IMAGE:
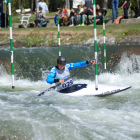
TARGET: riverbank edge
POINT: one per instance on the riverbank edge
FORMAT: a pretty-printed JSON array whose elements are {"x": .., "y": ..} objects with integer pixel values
[{"x": 68, "y": 42}]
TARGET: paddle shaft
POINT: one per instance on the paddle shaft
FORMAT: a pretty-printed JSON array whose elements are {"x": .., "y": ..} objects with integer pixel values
[{"x": 64, "y": 80}]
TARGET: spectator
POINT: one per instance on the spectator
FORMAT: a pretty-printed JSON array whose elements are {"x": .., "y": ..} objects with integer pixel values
[
  {"x": 79, "y": 11},
  {"x": 40, "y": 21},
  {"x": 73, "y": 19},
  {"x": 134, "y": 7},
  {"x": 125, "y": 7},
  {"x": 99, "y": 18},
  {"x": 44, "y": 7},
  {"x": 65, "y": 17},
  {"x": 115, "y": 4},
  {"x": 101, "y": 9},
  {"x": 58, "y": 15},
  {"x": 88, "y": 19},
  {"x": 85, "y": 13}
]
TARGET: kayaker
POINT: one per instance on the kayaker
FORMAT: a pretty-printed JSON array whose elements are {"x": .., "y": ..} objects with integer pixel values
[{"x": 62, "y": 71}]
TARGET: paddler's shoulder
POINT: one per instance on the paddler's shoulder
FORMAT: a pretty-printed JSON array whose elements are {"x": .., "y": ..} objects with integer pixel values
[{"x": 53, "y": 70}]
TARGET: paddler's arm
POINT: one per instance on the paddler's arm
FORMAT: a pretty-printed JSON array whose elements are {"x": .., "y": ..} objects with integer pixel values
[
  {"x": 79, "y": 64},
  {"x": 50, "y": 78}
]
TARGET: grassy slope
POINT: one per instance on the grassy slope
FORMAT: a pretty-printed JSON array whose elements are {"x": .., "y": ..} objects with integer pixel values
[
  {"x": 75, "y": 34},
  {"x": 16, "y": 19}
]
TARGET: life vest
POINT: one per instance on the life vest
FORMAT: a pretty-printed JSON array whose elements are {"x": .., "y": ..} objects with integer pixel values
[{"x": 63, "y": 75}]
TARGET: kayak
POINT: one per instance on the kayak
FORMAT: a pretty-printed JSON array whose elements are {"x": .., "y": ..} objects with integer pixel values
[{"x": 89, "y": 89}]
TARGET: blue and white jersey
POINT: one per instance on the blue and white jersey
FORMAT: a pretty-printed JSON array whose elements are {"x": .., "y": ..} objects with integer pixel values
[{"x": 55, "y": 73}]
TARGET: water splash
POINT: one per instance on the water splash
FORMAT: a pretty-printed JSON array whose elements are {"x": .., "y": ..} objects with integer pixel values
[{"x": 129, "y": 65}]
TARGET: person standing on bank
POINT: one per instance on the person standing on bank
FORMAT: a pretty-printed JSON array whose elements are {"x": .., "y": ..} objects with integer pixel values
[
  {"x": 125, "y": 7},
  {"x": 134, "y": 7},
  {"x": 61, "y": 72},
  {"x": 115, "y": 4},
  {"x": 44, "y": 7}
]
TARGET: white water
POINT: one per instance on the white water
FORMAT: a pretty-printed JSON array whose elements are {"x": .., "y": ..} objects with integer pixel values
[{"x": 53, "y": 116}]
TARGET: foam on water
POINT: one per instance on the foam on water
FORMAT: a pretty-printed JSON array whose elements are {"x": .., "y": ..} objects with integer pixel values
[{"x": 26, "y": 116}]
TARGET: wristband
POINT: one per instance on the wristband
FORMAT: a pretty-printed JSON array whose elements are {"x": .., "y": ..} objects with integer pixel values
[{"x": 56, "y": 80}]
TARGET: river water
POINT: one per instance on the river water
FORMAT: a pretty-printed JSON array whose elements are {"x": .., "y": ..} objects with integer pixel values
[{"x": 54, "y": 116}]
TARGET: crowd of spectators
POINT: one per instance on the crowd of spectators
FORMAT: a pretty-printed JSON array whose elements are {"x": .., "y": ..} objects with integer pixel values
[
  {"x": 81, "y": 12},
  {"x": 79, "y": 16}
]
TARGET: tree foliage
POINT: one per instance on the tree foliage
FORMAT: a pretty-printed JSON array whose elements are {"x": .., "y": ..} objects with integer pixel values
[{"x": 53, "y": 4}]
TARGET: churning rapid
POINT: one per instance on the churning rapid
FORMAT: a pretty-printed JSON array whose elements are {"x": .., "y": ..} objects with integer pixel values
[{"x": 54, "y": 116}]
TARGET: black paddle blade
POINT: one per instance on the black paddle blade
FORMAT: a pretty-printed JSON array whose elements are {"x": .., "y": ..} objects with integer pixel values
[
  {"x": 46, "y": 90},
  {"x": 41, "y": 93}
]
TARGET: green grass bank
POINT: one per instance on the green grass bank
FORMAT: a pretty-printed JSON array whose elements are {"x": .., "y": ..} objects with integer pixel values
[{"x": 37, "y": 36}]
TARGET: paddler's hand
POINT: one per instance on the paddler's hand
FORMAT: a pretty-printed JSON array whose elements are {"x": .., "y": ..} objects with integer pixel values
[
  {"x": 92, "y": 62},
  {"x": 61, "y": 82}
]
